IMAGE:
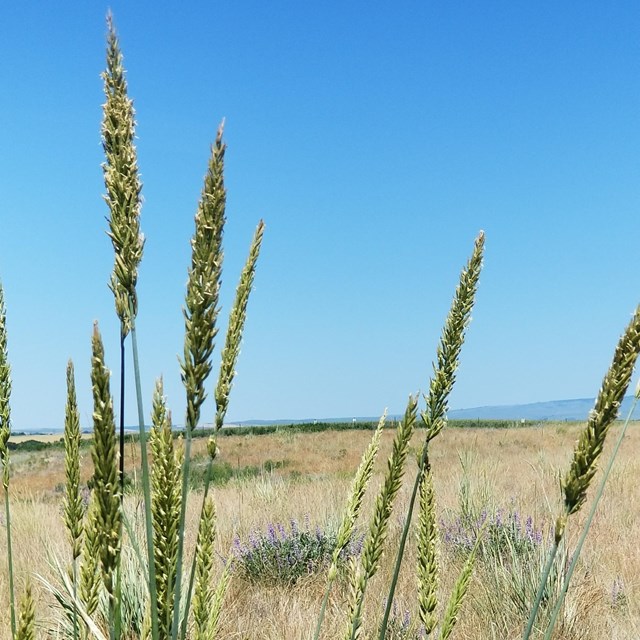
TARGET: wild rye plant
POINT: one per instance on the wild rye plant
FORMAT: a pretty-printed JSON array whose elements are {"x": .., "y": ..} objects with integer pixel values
[
  {"x": 165, "y": 489},
  {"x": 433, "y": 419}
]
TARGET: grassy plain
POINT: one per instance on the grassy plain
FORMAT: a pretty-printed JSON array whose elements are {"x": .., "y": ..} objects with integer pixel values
[{"x": 306, "y": 476}]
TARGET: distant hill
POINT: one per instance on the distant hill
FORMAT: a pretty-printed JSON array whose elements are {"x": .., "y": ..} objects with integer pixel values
[
  {"x": 554, "y": 410},
  {"x": 544, "y": 411}
]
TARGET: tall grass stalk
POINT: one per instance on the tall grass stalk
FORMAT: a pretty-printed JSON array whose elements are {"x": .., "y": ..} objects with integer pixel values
[
  {"x": 229, "y": 358},
  {"x": 89, "y": 567},
  {"x": 587, "y": 525},
  {"x": 122, "y": 181},
  {"x": 450, "y": 616},
  {"x": 440, "y": 386},
  {"x": 106, "y": 486},
  {"x": 73, "y": 505},
  {"x": 351, "y": 514},
  {"x": 590, "y": 444},
  {"x": 146, "y": 488},
  {"x": 427, "y": 559},
  {"x": 5, "y": 433},
  {"x": 200, "y": 315},
  {"x": 376, "y": 537},
  {"x": 165, "y": 480},
  {"x": 203, "y": 599}
]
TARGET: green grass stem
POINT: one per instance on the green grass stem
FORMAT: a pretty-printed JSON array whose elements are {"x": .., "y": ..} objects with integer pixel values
[
  {"x": 146, "y": 488},
  {"x": 175, "y": 627}
]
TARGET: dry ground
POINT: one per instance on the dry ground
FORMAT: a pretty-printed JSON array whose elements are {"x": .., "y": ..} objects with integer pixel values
[{"x": 510, "y": 469}]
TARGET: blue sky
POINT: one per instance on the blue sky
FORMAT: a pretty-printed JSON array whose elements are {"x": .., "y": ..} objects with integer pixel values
[{"x": 376, "y": 140}]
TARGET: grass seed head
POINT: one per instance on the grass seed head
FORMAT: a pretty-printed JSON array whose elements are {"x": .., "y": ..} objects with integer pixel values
[
  {"x": 203, "y": 594},
  {"x": 5, "y": 394},
  {"x": 27, "y": 619},
  {"x": 203, "y": 286},
  {"x": 165, "y": 510},
  {"x": 451, "y": 341},
  {"x": 89, "y": 567},
  {"x": 235, "y": 328},
  {"x": 591, "y": 441},
  {"x": 122, "y": 181},
  {"x": 105, "y": 462},
  {"x": 450, "y": 617},
  {"x": 73, "y": 504},
  {"x": 356, "y": 495},
  {"x": 379, "y": 525},
  {"x": 427, "y": 557}
]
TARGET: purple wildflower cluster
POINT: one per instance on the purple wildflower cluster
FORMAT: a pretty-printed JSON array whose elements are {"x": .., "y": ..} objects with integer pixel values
[
  {"x": 285, "y": 554},
  {"x": 501, "y": 530}
]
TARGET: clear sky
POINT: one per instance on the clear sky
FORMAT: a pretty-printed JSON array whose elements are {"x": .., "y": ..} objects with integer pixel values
[{"x": 376, "y": 140}]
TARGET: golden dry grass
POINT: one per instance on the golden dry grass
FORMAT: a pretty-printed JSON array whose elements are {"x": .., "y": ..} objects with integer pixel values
[{"x": 509, "y": 468}]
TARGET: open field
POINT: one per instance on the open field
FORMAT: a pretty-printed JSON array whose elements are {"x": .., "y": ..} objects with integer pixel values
[
  {"x": 306, "y": 476},
  {"x": 41, "y": 437}
]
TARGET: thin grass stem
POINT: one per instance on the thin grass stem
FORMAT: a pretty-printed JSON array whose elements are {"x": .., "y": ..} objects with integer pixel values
[
  {"x": 145, "y": 481},
  {"x": 396, "y": 573},
  {"x": 553, "y": 552},
  {"x": 122, "y": 380}
]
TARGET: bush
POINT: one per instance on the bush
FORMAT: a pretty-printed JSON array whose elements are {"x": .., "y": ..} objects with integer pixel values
[
  {"x": 503, "y": 533},
  {"x": 283, "y": 556}
]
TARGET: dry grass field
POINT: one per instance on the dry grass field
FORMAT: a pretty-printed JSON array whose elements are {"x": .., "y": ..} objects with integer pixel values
[{"x": 308, "y": 480}]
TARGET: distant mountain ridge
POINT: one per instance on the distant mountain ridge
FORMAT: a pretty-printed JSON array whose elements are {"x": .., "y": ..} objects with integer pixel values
[
  {"x": 553, "y": 410},
  {"x": 577, "y": 409}
]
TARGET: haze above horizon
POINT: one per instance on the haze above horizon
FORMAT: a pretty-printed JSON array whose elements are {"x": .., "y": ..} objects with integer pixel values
[{"x": 375, "y": 143}]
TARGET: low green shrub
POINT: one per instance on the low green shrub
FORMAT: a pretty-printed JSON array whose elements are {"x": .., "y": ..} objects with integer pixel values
[{"x": 283, "y": 555}]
